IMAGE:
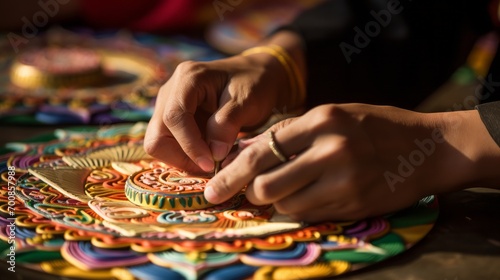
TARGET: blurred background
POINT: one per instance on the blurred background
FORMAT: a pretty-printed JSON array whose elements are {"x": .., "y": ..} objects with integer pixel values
[
  {"x": 102, "y": 62},
  {"x": 75, "y": 62}
]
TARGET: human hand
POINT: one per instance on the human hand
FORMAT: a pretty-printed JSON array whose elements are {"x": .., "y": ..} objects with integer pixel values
[
  {"x": 353, "y": 161},
  {"x": 204, "y": 105}
]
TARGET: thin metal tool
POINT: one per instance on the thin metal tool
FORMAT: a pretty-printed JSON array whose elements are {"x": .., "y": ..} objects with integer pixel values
[
  {"x": 217, "y": 167},
  {"x": 218, "y": 163}
]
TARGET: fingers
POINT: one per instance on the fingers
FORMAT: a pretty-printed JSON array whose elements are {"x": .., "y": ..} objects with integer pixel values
[
  {"x": 312, "y": 179},
  {"x": 223, "y": 128},
  {"x": 223, "y": 94},
  {"x": 319, "y": 193},
  {"x": 283, "y": 180},
  {"x": 252, "y": 161},
  {"x": 244, "y": 143},
  {"x": 336, "y": 184},
  {"x": 237, "y": 109},
  {"x": 231, "y": 93},
  {"x": 180, "y": 121},
  {"x": 192, "y": 90},
  {"x": 173, "y": 134},
  {"x": 159, "y": 143}
]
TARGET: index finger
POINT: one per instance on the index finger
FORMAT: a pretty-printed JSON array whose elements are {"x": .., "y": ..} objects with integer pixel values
[
  {"x": 252, "y": 161},
  {"x": 159, "y": 143},
  {"x": 180, "y": 121}
]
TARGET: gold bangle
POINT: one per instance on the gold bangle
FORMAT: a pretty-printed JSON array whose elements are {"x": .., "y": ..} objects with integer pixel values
[
  {"x": 282, "y": 59},
  {"x": 297, "y": 85},
  {"x": 295, "y": 68}
]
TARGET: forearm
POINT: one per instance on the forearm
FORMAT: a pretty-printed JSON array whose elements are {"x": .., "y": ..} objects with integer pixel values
[{"x": 469, "y": 157}]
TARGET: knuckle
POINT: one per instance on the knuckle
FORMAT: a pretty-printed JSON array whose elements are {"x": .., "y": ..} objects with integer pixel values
[
  {"x": 191, "y": 71},
  {"x": 263, "y": 189},
  {"x": 228, "y": 121},
  {"x": 250, "y": 195},
  {"x": 188, "y": 66},
  {"x": 152, "y": 146},
  {"x": 223, "y": 186},
  {"x": 238, "y": 89},
  {"x": 171, "y": 118},
  {"x": 324, "y": 117},
  {"x": 251, "y": 158},
  {"x": 331, "y": 110},
  {"x": 188, "y": 74}
]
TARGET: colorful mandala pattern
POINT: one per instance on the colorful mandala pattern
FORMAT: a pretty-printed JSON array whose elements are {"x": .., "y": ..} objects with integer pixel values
[{"x": 92, "y": 204}]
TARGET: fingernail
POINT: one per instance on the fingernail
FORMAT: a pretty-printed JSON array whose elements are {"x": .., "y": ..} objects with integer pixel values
[
  {"x": 210, "y": 194},
  {"x": 205, "y": 163},
  {"x": 219, "y": 149}
]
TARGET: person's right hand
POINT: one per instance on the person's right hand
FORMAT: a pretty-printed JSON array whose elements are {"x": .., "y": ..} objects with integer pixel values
[{"x": 204, "y": 105}]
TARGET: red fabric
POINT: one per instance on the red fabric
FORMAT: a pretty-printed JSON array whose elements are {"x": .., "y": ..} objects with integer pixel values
[{"x": 143, "y": 15}]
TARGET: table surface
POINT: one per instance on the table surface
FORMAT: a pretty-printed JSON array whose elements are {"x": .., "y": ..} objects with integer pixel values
[{"x": 464, "y": 244}]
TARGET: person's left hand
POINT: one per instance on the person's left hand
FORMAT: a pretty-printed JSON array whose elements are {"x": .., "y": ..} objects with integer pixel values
[{"x": 346, "y": 162}]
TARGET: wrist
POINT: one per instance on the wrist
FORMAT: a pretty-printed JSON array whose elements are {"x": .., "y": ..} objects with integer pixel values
[
  {"x": 285, "y": 49},
  {"x": 272, "y": 71},
  {"x": 470, "y": 157},
  {"x": 294, "y": 46}
]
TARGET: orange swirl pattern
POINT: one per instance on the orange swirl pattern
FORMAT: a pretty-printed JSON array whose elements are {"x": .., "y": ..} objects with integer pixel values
[
  {"x": 169, "y": 181},
  {"x": 166, "y": 188}
]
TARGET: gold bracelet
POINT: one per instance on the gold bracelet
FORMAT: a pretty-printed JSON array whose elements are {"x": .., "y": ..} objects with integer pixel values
[
  {"x": 297, "y": 85},
  {"x": 295, "y": 68}
]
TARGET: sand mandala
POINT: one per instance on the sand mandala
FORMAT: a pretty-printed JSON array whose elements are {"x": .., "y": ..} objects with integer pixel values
[{"x": 93, "y": 204}]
